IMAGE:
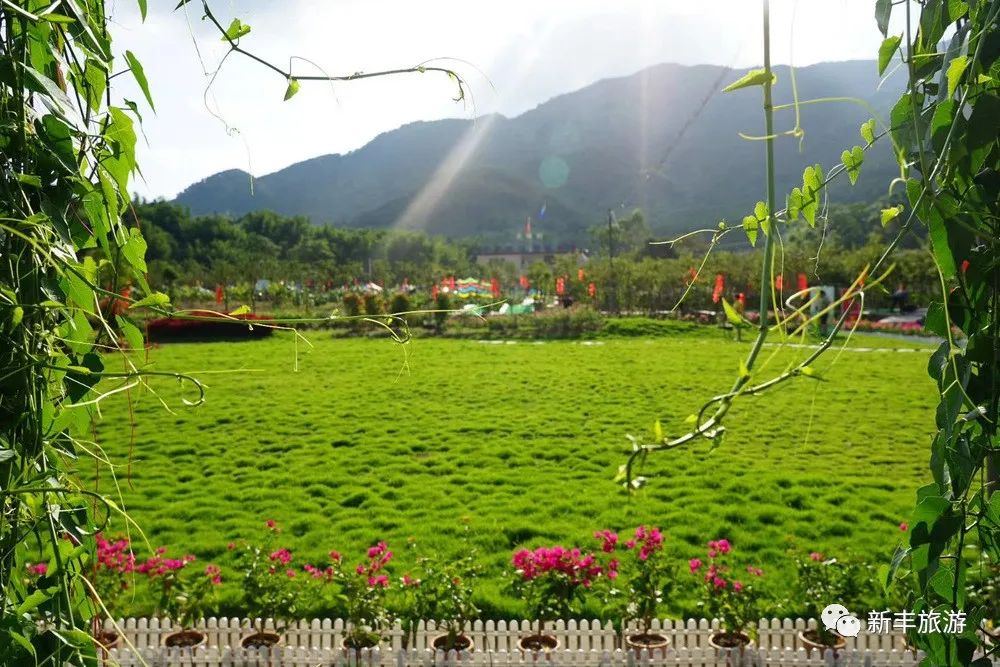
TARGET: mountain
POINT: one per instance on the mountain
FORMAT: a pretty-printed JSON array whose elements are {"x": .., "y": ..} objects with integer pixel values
[{"x": 664, "y": 139}]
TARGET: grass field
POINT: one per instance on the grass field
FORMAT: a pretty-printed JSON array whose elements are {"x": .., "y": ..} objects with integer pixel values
[{"x": 522, "y": 440}]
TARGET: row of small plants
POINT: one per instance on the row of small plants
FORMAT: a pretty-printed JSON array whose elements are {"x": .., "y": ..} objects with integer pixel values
[{"x": 632, "y": 577}]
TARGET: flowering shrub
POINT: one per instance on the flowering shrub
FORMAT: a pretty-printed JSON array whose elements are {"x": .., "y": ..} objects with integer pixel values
[
  {"x": 732, "y": 600},
  {"x": 363, "y": 589},
  {"x": 552, "y": 580},
  {"x": 442, "y": 592},
  {"x": 210, "y": 326},
  {"x": 185, "y": 595},
  {"x": 271, "y": 585},
  {"x": 640, "y": 578},
  {"x": 113, "y": 572},
  {"x": 822, "y": 581}
]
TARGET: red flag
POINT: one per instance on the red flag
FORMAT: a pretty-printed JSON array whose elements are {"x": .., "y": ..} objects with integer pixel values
[
  {"x": 560, "y": 286},
  {"x": 579, "y": 275},
  {"x": 592, "y": 290},
  {"x": 218, "y": 294},
  {"x": 524, "y": 282},
  {"x": 720, "y": 285},
  {"x": 451, "y": 283},
  {"x": 434, "y": 292},
  {"x": 803, "y": 283},
  {"x": 779, "y": 282},
  {"x": 494, "y": 287}
]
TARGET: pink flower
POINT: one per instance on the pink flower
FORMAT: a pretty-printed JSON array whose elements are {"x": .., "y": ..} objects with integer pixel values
[
  {"x": 271, "y": 523},
  {"x": 904, "y": 526},
  {"x": 360, "y": 569},
  {"x": 284, "y": 556},
  {"x": 410, "y": 581},
  {"x": 723, "y": 546},
  {"x": 290, "y": 573},
  {"x": 608, "y": 540},
  {"x": 719, "y": 582},
  {"x": 694, "y": 564},
  {"x": 231, "y": 546},
  {"x": 816, "y": 556},
  {"x": 737, "y": 586},
  {"x": 214, "y": 572},
  {"x": 161, "y": 551},
  {"x": 335, "y": 555},
  {"x": 38, "y": 568},
  {"x": 630, "y": 544},
  {"x": 380, "y": 580}
]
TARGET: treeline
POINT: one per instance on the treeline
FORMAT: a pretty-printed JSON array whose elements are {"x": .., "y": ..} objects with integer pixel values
[
  {"x": 627, "y": 271},
  {"x": 217, "y": 250}
]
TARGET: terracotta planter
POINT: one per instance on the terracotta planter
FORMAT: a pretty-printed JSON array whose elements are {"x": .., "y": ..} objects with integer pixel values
[
  {"x": 440, "y": 643},
  {"x": 810, "y": 640},
  {"x": 262, "y": 639},
  {"x": 649, "y": 641},
  {"x": 185, "y": 639},
  {"x": 538, "y": 643},
  {"x": 725, "y": 641}
]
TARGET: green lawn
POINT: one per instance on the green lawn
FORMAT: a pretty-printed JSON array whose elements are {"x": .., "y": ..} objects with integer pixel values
[{"x": 523, "y": 441}]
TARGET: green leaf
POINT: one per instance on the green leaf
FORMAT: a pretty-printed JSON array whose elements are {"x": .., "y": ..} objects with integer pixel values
[
  {"x": 658, "y": 431},
  {"x": 30, "y": 179},
  {"x": 16, "y": 315},
  {"x": 793, "y": 205},
  {"x": 744, "y": 371},
  {"x": 868, "y": 131},
  {"x": 755, "y": 77},
  {"x": 750, "y": 227},
  {"x": 812, "y": 183},
  {"x": 731, "y": 314},
  {"x": 140, "y": 76},
  {"x": 293, "y": 87},
  {"x": 890, "y": 214},
  {"x": 52, "y": 17},
  {"x": 956, "y": 68},
  {"x": 134, "y": 250},
  {"x": 34, "y": 599},
  {"x": 6, "y": 455},
  {"x": 242, "y": 310},
  {"x": 887, "y": 51},
  {"x": 142, "y": 10},
  {"x": 763, "y": 217},
  {"x": 235, "y": 30},
  {"x": 131, "y": 333},
  {"x": 883, "y": 8},
  {"x": 23, "y": 642},
  {"x": 154, "y": 299},
  {"x": 853, "y": 159},
  {"x": 811, "y": 372}
]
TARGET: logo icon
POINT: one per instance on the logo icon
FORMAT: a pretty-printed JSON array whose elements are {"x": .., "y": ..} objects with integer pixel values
[{"x": 837, "y": 619}]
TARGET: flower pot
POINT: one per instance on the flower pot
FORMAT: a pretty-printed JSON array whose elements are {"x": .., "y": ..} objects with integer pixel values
[
  {"x": 262, "y": 639},
  {"x": 810, "y": 639},
  {"x": 348, "y": 646},
  {"x": 729, "y": 640},
  {"x": 538, "y": 643},
  {"x": 649, "y": 641},
  {"x": 185, "y": 639},
  {"x": 462, "y": 643}
]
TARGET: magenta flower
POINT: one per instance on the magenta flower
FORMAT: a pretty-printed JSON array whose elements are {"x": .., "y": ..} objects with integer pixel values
[
  {"x": 271, "y": 523},
  {"x": 39, "y": 568},
  {"x": 694, "y": 564},
  {"x": 335, "y": 555},
  {"x": 816, "y": 556},
  {"x": 290, "y": 573},
  {"x": 737, "y": 586},
  {"x": 284, "y": 556},
  {"x": 904, "y": 526}
]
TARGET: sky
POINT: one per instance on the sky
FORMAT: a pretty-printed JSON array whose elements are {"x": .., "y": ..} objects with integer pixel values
[{"x": 514, "y": 54}]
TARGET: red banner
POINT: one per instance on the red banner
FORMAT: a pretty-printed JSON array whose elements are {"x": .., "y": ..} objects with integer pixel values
[
  {"x": 720, "y": 286},
  {"x": 592, "y": 290},
  {"x": 434, "y": 292},
  {"x": 803, "y": 283},
  {"x": 524, "y": 282},
  {"x": 218, "y": 294},
  {"x": 494, "y": 287},
  {"x": 779, "y": 282}
]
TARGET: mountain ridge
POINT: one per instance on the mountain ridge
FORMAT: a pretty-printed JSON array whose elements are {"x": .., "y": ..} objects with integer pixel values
[{"x": 663, "y": 139}]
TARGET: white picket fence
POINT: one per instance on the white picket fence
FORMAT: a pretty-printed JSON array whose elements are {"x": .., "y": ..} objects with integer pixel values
[{"x": 582, "y": 644}]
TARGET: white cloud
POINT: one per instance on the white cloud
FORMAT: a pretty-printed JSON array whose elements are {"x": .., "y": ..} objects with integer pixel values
[{"x": 531, "y": 50}]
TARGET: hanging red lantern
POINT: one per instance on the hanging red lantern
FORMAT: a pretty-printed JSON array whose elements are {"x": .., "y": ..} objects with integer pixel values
[
  {"x": 579, "y": 275},
  {"x": 779, "y": 282},
  {"x": 803, "y": 283},
  {"x": 560, "y": 285},
  {"x": 219, "y": 294},
  {"x": 592, "y": 290},
  {"x": 524, "y": 282}
]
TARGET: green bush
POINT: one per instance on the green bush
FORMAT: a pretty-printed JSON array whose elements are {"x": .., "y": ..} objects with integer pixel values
[{"x": 643, "y": 326}]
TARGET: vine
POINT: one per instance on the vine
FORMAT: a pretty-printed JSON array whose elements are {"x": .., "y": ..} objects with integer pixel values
[
  {"x": 70, "y": 256},
  {"x": 944, "y": 129}
]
